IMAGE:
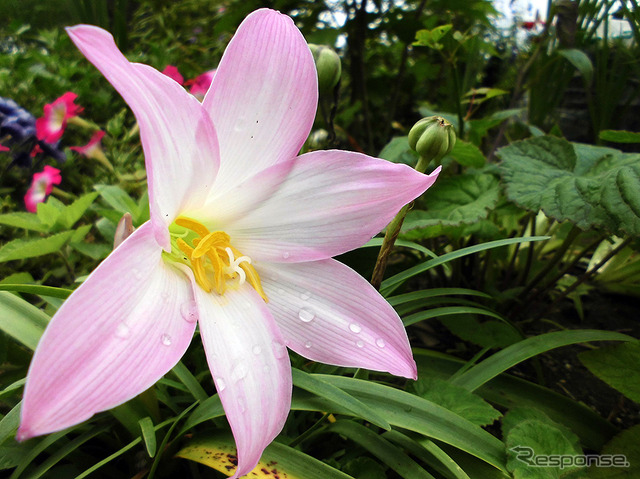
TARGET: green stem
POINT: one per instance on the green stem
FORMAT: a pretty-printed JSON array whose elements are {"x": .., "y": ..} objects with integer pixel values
[{"x": 392, "y": 233}]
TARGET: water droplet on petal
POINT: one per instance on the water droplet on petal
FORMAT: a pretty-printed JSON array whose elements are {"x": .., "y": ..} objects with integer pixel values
[
  {"x": 137, "y": 274},
  {"x": 273, "y": 276},
  {"x": 305, "y": 296},
  {"x": 239, "y": 372},
  {"x": 242, "y": 404},
  {"x": 122, "y": 331},
  {"x": 220, "y": 385},
  {"x": 360, "y": 344},
  {"x": 285, "y": 255},
  {"x": 380, "y": 342},
  {"x": 306, "y": 315},
  {"x": 256, "y": 350},
  {"x": 166, "y": 339},
  {"x": 280, "y": 291},
  {"x": 279, "y": 350},
  {"x": 266, "y": 369},
  {"x": 189, "y": 311},
  {"x": 355, "y": 328},
  {"x": 307, "y": 344}
]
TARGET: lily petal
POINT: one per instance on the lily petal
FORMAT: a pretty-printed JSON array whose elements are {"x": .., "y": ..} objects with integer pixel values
[
  {"x": 250, "y": 367},
  {"x": 328, "y": 313},
  {"x": 115, "y": 336},
  {"x": 331, "y": 202},
  {"x": 263, "y": 97},
  {"x": 179, "y": 141}
]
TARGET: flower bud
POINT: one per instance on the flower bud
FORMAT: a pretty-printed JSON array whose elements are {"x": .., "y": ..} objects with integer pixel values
[
  {"x": 432, "y": 137},
  {"x": 328, "y": 66}
]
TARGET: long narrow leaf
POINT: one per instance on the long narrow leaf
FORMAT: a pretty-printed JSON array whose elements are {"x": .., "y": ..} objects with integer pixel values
[
  {"x": 527, "y": 348},
  {"x": 189, "y": 380},
  {"x": 391, "y": 284},
  {"x": 380, "y": 448},
  {"x": 21, "y": 320},
  {"x": 432, "y": 293},
  {"x": 38, "y": 289},
  {"x": 448, "y": 310},
  {"x": 311, "y": 383}
]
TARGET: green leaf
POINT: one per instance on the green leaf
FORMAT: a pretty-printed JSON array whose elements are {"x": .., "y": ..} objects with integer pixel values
[
  {"x": 433, "y": 293},
  {"x": 593, "y": 187},
  {"x": 624, "y": 444},
  {"x": 581, "y": 61},
  {"x": 79, "y": 234},
  {"x": 398, "y": 151},
  {"x": 541, "y": 439},
  {"x": 28, "y": 221},
  {"x": 119, "y": 200},
  {"x": 148, "y": 435},
  {"x": 391, "y": 284},
  {"x": 468, "y": 154},
  {"x": 38, "y": 289},
  {"x": 518, "y": 415},
  {"x": 75, "y": 210},
  {"x": 311, "y": 383},
  {"x": 190, "y": 381},
  {"x": 614, "y": 136},
  {"x": 419, "y": 415},
  {"x": 30, "y": 248},
  {"x": 430, "y": 38},
  {"x": 399, "y": 408},
  {"x": 9, "y": 423},
  {"x": 488, "y": 334},
  {"x": 617, "y": 365},
  {"x": 218, "y": 451},
  {"x": 380, "y": 448},
  {"x": 509, "y": 392},
  {"x": 456, "y": 399},
  {"x": 49, "y": 212},
  {"x": 527, "y": 348},
  {"x": 21, "y": 320},
  {"x": 457, "y": 200},
  {"x": 365, "y": 468}
]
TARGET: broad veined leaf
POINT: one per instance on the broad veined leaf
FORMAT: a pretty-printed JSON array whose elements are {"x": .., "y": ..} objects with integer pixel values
[
  {"x": 457, "y": 200},
  {"x": 457, "y": 399},
  {"x": 618, "y": 366},
  {"x": 468, "y": 154},
  {"x": 218, "y": 451},
  {"x": 624, "y": 449},
  {"x": 532, "y": 441},
  {"x": 75, "y": 210},
  {"x": 593, "y": 187}
]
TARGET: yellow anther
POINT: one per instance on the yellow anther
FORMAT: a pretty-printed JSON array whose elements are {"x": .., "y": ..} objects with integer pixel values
[
  {"x": 192, "y": 225},
  {"x": 214, "y": 261},
  {"x": 211, "y": 240}
]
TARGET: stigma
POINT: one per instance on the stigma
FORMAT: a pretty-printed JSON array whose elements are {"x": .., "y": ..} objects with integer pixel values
[{"x": 215, "y": 263}]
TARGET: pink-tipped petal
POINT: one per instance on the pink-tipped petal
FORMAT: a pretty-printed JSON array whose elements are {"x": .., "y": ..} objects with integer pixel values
[
  {"x": 331, "y": 202},
  {"x": 115, "y": 336},
  {"x": 250, "y": 367},
  {"x": 327, "y": 312},
  {"x": 178, "y": 138},
  {"x": 263, "y": 97}
]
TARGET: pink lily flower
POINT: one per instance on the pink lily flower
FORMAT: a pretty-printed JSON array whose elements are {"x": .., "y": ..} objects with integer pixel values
[
  {"x": 41, "y": 187},
  {"x": 173, "y": 73},
  {"x": 240, "y": 241},
  {"x": 200, "y": 84},
  {"x": 51, "y": 126},
  {"x": 91, "y": 149}
]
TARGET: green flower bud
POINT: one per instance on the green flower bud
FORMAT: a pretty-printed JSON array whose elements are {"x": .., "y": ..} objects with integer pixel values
[
  {"x": 433, "y": 138},
  {"x": 328, "y": 66}
]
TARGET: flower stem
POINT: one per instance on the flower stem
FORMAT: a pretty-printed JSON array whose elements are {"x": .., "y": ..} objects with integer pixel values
[{"x": 392, "y": 233}]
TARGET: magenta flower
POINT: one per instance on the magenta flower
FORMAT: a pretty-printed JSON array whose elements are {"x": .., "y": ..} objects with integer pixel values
[
  {"x": 200, "y": 84},
  {"x": 91, "y": 149},
  {"x": 240, "y": 242},
  {"x": 41, "y": 187},
  {"x": 4, "y": 148},
  {"x": 173, "y": 73},
  {"x": 51, "y": 126}
]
